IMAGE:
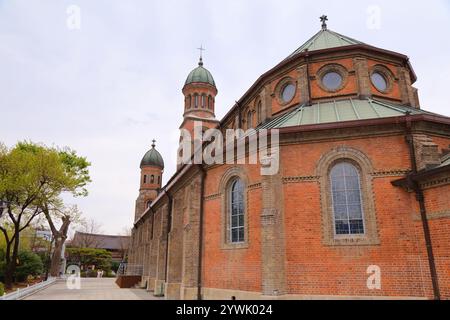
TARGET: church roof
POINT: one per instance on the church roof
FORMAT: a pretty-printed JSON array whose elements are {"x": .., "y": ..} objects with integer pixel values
[
  {"x": 325, "y": 39},
  {"x": 152, "y": 158},
  {"x": 339, "y": 111},
  {"x": 200, "y": 74}
]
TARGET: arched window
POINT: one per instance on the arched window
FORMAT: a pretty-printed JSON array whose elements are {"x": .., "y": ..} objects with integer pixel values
[
  {"x": 149, "y": 203},
  {"x": 236, "y": 211},
  {"x": 152, "y": 179},
  {"x": 196, "y": 100},
  {"x": 203, "y": 101},
  {"x": 145, "y": 178},
  {"x": 259, "y": 110},
  {"x": 249, "y": 119},
  {"x": 159, "y": 179},
  {"x": 346, "y": 199}
]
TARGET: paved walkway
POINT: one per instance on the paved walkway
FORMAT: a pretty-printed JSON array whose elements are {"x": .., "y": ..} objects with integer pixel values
[{"x": 91, "y": 289}]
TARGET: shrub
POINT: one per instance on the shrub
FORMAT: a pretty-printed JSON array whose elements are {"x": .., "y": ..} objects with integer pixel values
[
  {"x": 115, "y": 266},
  {"x": 29, "y": 265},
  {"x": 2, "y": 289},
  {"x": 87, "y": 257},
  {"x": 92, "y": 273}
]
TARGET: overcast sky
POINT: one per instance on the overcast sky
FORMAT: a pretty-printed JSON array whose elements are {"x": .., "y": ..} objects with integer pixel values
[{"x": 108, "y": 88}]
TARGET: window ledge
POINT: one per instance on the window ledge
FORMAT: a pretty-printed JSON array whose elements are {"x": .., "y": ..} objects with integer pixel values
[{"x": 235, "y": 246}]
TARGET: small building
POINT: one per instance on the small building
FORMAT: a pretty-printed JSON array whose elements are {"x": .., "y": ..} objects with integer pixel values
[{"x": 117, "y": 245}]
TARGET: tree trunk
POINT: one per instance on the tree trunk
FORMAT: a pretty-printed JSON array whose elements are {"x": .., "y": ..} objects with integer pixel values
[
  {"x": 8, "y": 276},
  {"x": 11, "y": 260},
  {"x": 8, "y": 273},
  {"x": 60, "y": 237},
  {"x": 56, "y": 258}
]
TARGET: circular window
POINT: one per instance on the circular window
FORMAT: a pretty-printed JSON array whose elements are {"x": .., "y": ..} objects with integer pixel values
[
  {"x": 288, "y": 92},
  {"x": 332, "y": 80},
  {"x": 379, "y": 81}
]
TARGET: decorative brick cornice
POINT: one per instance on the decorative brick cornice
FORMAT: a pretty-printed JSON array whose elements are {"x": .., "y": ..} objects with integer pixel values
[
  {"x": 254, "y": 186},
  {"x": 390, "y": 173},
  {"x": 212, "y": 197},
  {"x": 435, "y": 183},
  {"x": 299, "y": 179}
]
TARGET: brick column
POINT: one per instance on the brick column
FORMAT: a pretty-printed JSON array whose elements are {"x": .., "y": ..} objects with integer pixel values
[
  {"x": 272, "y": 235},
  {"x": 426, "y": 152},
  {"x": 191, "y": 234},
  {"x": 266, "y": 102},
  {"x": 303, "y": 84},
  {"x": 406, "y": 89},
  {"x": 175, "y": 254},
  {"x": 152, "y": 256},
  {"x": 160, "y": 275},
  {"x": 363, "y": 78}
]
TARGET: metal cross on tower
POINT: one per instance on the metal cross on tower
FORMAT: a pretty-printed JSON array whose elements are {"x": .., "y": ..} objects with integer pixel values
[
  {"x": 324, "y": 20},
  {"x": 200, "y": 63}
]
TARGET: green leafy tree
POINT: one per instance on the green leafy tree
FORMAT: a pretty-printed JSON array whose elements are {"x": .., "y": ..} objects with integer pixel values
[
  {"x": 29, "y": 264},
  {"x": 87, "y": 257},
  {"x": 31, "y": 177}
]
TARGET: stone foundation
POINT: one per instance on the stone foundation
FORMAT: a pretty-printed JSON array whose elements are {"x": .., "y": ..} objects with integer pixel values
[
  {"x": 159, "y": 288},
  {"x": 151, "y": 284},
  {"x": 189, "y": 293},
  {"x": 172, "y": 291}
]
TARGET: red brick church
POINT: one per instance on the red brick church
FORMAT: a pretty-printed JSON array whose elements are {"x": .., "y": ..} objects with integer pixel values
[{"x": 359, "y": 207}]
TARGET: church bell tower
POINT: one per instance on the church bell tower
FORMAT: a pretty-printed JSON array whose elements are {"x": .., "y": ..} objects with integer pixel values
[
  {"x": 152, "y": 168},
  {"x": 199, "y": 104}
]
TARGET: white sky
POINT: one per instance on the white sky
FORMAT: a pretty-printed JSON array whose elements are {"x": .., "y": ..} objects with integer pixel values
[{"x": 109, "y": 88}]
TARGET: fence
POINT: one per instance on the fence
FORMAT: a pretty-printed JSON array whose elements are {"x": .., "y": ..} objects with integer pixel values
[
  {"x": 24, "y": 292},
  {"x": 129, "y": 269}
]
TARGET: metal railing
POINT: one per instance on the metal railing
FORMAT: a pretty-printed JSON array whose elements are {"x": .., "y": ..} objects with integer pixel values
[
  {"x": 21, "y": 293},
  {"x": 130, "y": 269}
]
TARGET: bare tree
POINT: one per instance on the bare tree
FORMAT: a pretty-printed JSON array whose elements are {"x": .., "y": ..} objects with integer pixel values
[
  {"x": 88, "y": 235},
  {"x": 59, "y": 219}
]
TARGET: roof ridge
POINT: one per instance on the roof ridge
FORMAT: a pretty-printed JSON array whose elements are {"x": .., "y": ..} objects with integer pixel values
[{"x": 341, "y": 41}]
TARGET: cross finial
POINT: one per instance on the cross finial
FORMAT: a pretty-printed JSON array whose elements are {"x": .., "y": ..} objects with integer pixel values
[
  {"x": 200, "y": 63},
  {"x": 324, "y": 20},
  {"x": 153, "y": 144}
]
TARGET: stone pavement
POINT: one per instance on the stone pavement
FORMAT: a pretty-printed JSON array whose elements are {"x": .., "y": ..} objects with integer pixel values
[{"x": 91, "y": 289}]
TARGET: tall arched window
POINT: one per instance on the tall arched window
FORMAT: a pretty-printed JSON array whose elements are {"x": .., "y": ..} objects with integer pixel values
[
  {"x": 203, "y": 101},
  {"x": 259, "y": 109},
  {"x": 196, "y": 100},
  {"x": 346, "y": 199},
  {"x": 236, "y": 211},
  {"x": 152, "y": 179},
  {"x": 145, "y": 178},
  {"x": 249, "y": 119}
]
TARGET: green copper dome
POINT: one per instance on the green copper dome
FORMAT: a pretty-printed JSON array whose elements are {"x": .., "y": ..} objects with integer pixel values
[
  {"x": 152, "y": 158},
  {"x": 200, "y": 74}
]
